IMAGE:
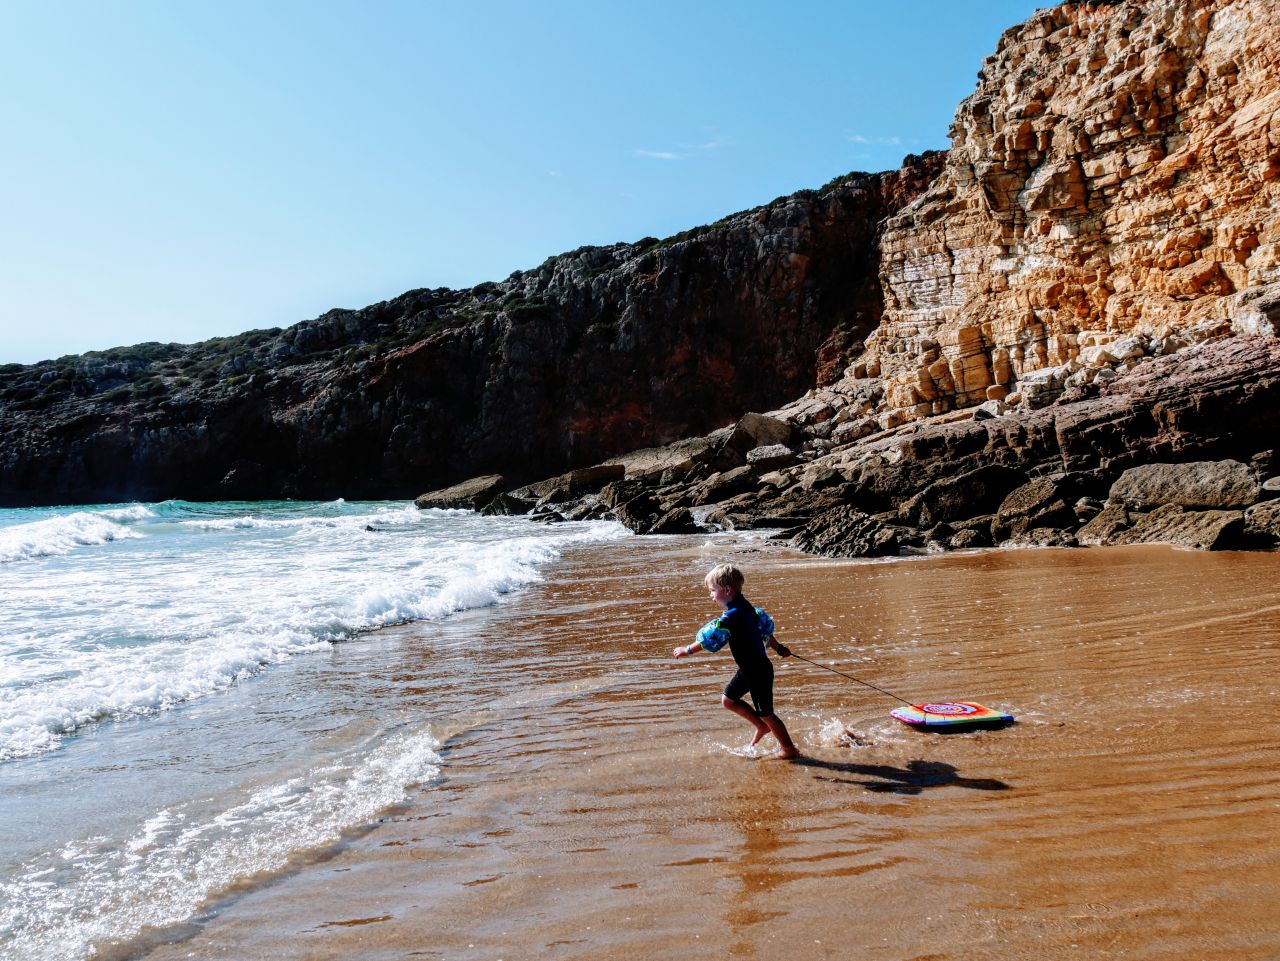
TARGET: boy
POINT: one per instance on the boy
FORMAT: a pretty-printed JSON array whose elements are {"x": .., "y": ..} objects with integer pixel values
[{"x": 747, "y": 631}]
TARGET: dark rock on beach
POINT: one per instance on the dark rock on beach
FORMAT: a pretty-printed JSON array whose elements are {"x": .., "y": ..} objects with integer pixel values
[
  {"x": 1197, "y": 485},
  {"x": 1061, "y": 476},
  {"x": 473, "y": 494},
  {"x": 847, "y": 532}
]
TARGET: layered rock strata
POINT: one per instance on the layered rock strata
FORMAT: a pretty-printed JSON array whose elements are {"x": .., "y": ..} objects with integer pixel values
[
  {"x": 1116, "y": 173},
  {"x": 1183, "y": 449}
]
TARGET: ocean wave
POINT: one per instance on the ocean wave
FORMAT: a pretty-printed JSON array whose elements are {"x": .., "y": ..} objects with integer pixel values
[
  {"x": 225, "y": 617},
  {"x": 102, "y": 684},
  {"x": 62, "y": 535},
  {"x": 129, "y": 513},
  {"x": 65, "y": 903},
  {"x": 399, "y": 516}
]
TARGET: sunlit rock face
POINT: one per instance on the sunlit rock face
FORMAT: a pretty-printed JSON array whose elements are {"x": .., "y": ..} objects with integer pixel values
[
  {"x": 1114, "y": 178},
  {"x": 592, "y": 353}
]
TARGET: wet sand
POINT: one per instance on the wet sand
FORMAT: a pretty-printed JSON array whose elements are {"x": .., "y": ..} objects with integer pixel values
[{"x": 595, "y": 803}]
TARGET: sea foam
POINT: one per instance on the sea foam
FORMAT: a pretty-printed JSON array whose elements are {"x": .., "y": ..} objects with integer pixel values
[
  {"x": 217, "y": 593},
  {"x": 63, "y": 534},
  {"x": 62, "y": 904}
]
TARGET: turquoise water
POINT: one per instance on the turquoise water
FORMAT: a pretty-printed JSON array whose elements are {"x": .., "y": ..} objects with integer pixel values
[{"x": 175, "y": 709}]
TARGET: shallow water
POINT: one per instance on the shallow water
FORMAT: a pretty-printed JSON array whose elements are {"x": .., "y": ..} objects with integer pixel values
[
  {"x": 594, "y": 801},
  {"x": 177, "y": 716}
]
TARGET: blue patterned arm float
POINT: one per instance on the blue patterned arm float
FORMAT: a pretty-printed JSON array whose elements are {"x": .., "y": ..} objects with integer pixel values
[
  {"x": 767, "y": 627},
  {"x": 712, "y": 635}
]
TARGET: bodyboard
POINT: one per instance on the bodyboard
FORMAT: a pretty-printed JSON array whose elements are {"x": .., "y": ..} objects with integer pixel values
[{"x": 942, "y": 715}]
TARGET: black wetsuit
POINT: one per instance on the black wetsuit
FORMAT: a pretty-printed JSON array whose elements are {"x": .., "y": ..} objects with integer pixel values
[{"x": 746, "y": 642}]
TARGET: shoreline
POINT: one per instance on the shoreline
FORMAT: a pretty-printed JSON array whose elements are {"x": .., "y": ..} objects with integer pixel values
[{"x": 599, "y": 811}]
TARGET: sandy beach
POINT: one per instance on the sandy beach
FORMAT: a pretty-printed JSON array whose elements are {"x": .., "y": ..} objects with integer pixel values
[{"x": 596, "y": 802}]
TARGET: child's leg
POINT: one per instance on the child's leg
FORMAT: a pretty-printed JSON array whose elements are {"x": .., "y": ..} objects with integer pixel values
[
  {"x": 762, "y": 694},
  {"x": 746, "y": 713},
  {"x": 786, "y": 747}
]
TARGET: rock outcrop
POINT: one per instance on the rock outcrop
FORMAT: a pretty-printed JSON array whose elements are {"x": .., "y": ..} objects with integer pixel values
[
  {"x": 1116, "y": 173},
  {"x": 594, "y": 353},
  {"x": 473, "y": 494},
  {"x": 1180, "y": 450},
  {"x": 1079, "y": 340}
]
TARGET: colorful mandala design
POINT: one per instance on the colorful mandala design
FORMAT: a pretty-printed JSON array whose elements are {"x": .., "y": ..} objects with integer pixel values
[{"x": 949, "y": 707}]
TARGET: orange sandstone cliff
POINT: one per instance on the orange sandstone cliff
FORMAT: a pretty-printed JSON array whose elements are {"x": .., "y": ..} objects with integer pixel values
[{"x": 1116, "y": 173}]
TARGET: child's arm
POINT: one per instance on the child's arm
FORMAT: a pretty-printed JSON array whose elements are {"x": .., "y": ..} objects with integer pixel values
[
  {"x": 782, "y": 649},
  {"x": 711, "y": 637}
]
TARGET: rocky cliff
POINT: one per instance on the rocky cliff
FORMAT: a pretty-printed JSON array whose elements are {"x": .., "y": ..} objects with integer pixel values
[
  {"x": 593, "y": 353},
  {"x": 1115, "y": 175},
  {"x": 1079, "y": 338},
  {"x": 1062, "y": 331}
]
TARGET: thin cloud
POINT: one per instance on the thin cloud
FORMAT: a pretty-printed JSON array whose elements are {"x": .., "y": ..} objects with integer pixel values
[
  {"x": 878, "y": 141},
  {"x": 658, "y": 154},
  {"x": 715, "y": 144}
]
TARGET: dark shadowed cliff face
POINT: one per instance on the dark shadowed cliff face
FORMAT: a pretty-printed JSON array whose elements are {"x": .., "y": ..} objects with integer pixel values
[{"x": 595, "y": 352}]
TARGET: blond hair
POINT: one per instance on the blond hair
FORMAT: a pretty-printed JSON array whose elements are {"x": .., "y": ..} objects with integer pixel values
[{"x": 724, "y": 575}]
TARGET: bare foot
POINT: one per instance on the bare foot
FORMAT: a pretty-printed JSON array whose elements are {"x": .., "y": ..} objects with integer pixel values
[
  {"x": 761, "y": 731},
  {"x": 783, "y": 755}
]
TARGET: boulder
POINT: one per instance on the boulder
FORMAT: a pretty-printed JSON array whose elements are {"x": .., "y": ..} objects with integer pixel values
[
  {"x": 575, "y": 483},
  {"x": 940, "y": 532},
  {"x": 1199, "y": 530},
  {"x": 507, "y": 505},
  {"x": 762, "y": 460},
  {"x": 1103, "y": 526},
  {"x": 1221, "y": 485},
  {"x": 847, "y": 532},
  {"x": 974, "y": 492},
  {"x": 682, "y": 457},
  {"x": 669, "y": 498},
  {"x": 722, "y": 486},
  {"x": 819, "y": 476},
  {"x": 556, "y": 495},
  {"x": 1042, "y": 537},
  {"x": 1098, "y": 356},
  {"x": 776, "y": 478},
  {"x": 589, "y": 480},
  {"x": 981, "y": 524},
  {"x": 968, "y": 538},
  {"x": 587, "y": 509},
  {"x": 1257, "y": 311},
  {"x": 736, "y": 442},
  {"x": 637, "y": 513},
  {"x": 764, "y": 430},
  {"x": 1037, "y": 504},
  {"x": 1086, "y": 509},
  {"x": 469, "y": 495},
  {"x": 1262, "y": 524},
  {"x": 619, "y": 492},
  {"x": 770, "y": 508},
  {"x": 678, "y": 521}
]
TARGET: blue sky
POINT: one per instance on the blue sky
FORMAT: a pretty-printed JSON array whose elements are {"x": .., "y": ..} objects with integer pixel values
[{"x": 180, "y": 170}]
